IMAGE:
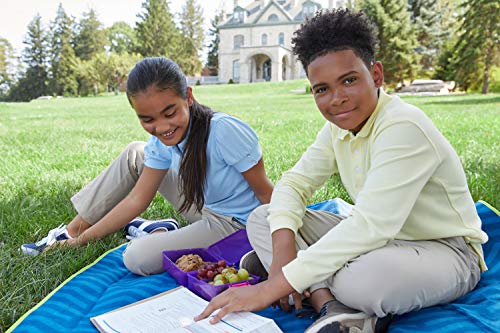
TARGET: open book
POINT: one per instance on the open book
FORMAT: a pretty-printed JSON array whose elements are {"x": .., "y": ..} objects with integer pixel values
[{"x": 173, "y": 311}]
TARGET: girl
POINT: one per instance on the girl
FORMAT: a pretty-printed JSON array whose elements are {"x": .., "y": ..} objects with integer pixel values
[{"x": 208, "y": 165}]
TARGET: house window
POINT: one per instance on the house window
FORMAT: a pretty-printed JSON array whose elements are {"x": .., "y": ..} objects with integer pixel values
[
  {"x": 264, "y": 39},
  {"x": 309, "y": 9},
  {"x": 273, "y": 18},
  {"x": 238, "y": 41},
  {"x": 236, "y": 70},
  {"x": 239, "y": 15},
  {"x": 281, "y": 39}
]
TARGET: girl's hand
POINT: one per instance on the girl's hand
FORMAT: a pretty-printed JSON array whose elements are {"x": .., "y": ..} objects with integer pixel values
[
  {"x": 73, "y": 242},
  {"x": 249, "y": 298}
]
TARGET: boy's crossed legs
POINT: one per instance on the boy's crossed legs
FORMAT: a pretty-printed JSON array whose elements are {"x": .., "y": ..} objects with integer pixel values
[{"x": 398, "y": 278}]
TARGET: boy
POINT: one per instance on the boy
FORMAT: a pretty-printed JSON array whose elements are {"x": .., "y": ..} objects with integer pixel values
[{"x": 413, "y": 238}]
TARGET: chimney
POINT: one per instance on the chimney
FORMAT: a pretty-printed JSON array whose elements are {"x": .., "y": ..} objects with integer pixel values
[
  {"x": 235, "y": 2},
  {"x": 330, "y": 4}
]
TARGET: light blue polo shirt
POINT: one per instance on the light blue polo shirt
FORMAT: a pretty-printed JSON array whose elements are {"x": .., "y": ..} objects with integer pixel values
[{"x": 232, "y": 148}]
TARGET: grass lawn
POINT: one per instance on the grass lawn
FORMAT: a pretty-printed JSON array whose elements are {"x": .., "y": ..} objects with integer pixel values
[{"x": 50, "y": 149}]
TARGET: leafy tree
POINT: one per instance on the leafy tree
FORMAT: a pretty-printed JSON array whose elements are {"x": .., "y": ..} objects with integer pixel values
[
  {"x": 156, "y": 30},
  {"x": 34, "y": 83},
  {"x": 477, "y": 47},
  {"x": 7, "y": 60},
  {"x": 105, "y": 72},
  {"x": 91, "y": 38},
  {"x": 192, "y": 22},
  {"x": 397, "y": 39},
  {"x": 213, "y": 48},
  {"x": 63, "y": 58},
  {"x": 426, "y": 19},
  {"x": 121, "y": 38}
]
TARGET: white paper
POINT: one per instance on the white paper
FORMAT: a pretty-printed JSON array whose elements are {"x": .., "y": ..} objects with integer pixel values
[{"x": 174, "y": 311}]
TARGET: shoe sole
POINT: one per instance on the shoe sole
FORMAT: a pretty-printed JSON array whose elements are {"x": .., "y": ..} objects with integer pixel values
[
  {"x": 333, "y": 319},
  {"x": 29, "y": 251}
]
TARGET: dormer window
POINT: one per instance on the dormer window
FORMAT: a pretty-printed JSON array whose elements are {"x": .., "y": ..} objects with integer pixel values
[
  {"x": 239, "y": 14},
  {"x": 273, "y": 18},
  {"x": 309, "y": 9}
]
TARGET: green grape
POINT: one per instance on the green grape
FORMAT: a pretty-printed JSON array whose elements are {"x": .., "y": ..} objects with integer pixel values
[{"x": 243, "y": 274}]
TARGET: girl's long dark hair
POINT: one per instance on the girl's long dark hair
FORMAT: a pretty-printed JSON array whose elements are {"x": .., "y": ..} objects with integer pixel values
[{"x": 163, "y": 73}]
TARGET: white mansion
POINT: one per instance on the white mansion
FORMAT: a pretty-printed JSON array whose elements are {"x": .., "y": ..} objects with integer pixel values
[{"x": 255, "y": 40}]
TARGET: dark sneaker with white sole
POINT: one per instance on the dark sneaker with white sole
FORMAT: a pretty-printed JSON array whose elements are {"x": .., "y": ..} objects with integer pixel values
[
  {"x": 140, "y": 227},
  {"x": 251, "y": 262},
  {"x": 55, "y": 235},
  {"x": 335, "y": 317}
]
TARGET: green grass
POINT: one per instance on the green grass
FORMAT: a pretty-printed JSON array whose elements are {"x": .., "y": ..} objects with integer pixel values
[{"x": 50, "y": 149}]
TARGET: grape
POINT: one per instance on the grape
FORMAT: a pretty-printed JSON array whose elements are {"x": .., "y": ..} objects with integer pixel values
[
  {"x": 210, "y": 274},
  {"x": 243, "y": 274},
  {"x": 202, "y": 272},
  {"x": 232, "y": 278},
  {"x": 221, "y": 263}
]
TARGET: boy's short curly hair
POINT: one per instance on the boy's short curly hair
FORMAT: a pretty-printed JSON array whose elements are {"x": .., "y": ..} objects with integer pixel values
[{"x": 335, "y": 30}]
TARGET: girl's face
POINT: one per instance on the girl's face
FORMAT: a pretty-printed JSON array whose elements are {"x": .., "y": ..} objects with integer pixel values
[{"x": 163, "y": 113}]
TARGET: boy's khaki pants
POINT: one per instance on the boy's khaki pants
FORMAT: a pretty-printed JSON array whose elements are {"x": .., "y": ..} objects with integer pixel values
[
  {"x": 144, "y": 255},
  {"x": 397, "y": 278}
]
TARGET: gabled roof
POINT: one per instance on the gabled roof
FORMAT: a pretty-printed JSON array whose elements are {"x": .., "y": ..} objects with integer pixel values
[
  {"x": 255, "y": 12},
  {"x": 272, "y": 3}
]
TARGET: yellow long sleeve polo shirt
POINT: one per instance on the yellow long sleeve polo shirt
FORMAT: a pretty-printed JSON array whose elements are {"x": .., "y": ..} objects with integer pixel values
[{"x": 405, "y": 180}]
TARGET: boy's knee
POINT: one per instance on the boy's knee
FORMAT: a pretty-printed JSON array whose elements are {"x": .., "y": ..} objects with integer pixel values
[{"x": 258, "y": 218}]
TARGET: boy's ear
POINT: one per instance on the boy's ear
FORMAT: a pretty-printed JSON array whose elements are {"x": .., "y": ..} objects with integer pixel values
[
  {"x": 378, "y": 74},
  {"x": 189, "y": 96}
]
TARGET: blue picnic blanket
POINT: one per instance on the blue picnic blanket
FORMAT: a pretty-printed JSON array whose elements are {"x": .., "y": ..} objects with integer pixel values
[{"x": 107, "y": 284}]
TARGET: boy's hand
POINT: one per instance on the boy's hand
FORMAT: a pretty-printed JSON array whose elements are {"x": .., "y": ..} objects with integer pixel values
[{"x": 248, "y": 298}]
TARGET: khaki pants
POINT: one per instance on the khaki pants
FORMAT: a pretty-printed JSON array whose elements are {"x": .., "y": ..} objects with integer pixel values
[
  {"x": 144, "y": 255},
  {"x": 397, "y": 278}
]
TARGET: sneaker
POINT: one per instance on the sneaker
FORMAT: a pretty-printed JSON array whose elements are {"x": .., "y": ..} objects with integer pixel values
[
  {"x": 251, "y": 262},
  {"x": 335, "y": 317},
  {"x": 55, "y": 235},
  {"x": 140, "y": 227}
]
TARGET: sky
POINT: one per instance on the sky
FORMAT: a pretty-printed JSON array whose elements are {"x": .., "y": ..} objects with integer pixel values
[{"x": 15, "y": 15}]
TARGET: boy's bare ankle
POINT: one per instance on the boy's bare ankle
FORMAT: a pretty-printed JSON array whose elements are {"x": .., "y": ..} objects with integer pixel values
[{"x": 320, "y": 297}]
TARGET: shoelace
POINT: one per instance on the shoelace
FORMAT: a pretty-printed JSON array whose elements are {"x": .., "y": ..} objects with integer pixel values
[
  {"x": 134, "y": 232},
  {"x": 51, "y": 237}
]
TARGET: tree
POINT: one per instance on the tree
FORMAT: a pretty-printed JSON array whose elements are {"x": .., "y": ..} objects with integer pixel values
[
  {"x": 91, "y": 38},
  {"x": 34, "y": 83},
  {"x": 213, "y": 48},
  {"x": 426, "y": 19},
  {"x": 121, "y": 38},
  {"x": 477, "y": 47},
  {"x": 156, "y": 30},
  {"x": 105, "y": 72},
  {"x": 397, "y": 40},
  {"x": 63, "y": 59},
  {"x": 7, "y": 60},
  {"x": 193, "y": 36}
]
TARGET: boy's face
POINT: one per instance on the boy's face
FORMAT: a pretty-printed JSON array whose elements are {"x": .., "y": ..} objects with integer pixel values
[{"x": 344, "y": 89}]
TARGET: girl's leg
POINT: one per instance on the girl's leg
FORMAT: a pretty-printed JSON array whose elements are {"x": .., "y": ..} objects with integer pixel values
[
  {"x": 77, "y": 226},
  {"x": 144, "y": 255},
  {"x": 103, "y": 193}
]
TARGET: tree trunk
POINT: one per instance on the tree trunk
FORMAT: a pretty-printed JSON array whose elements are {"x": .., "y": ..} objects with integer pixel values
[{"x": 486, "y": 72}]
